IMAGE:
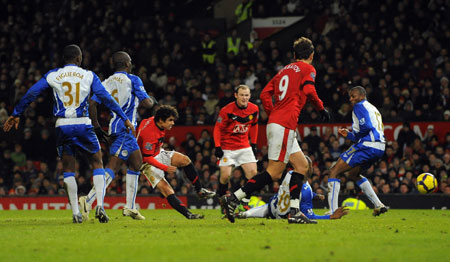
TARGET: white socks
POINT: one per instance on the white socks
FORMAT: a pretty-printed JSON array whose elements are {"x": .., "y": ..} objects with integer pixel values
[
  {"x": 240, "y": 194},
  {"x": 72, "y": 188},
  {"x": 367, "y": 189},
  {"x": 109, "y": 176},
  {"x": 132, "y": 187},
  {"x": 99, "y": 184},
  {"x": 334, "y": 186}
]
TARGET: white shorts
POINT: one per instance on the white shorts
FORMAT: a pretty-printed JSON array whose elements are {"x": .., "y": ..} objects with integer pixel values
[
  {"x": 282, "y": 142},
  {"x": 237, "y": 157},
  {"x": 154, "y": 174}
]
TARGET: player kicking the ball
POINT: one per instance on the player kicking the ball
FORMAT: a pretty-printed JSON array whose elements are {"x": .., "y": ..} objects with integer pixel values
[
  {"x": 151, "y": 134},
  {"x": 368, "y": 134}
]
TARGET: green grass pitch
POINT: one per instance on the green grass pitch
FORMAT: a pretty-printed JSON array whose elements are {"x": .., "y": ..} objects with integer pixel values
[{"x": 399, "y": 235}]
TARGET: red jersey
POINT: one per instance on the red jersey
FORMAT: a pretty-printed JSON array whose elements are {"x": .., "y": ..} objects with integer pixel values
[
  {"x": 234, "y": 125},
  {"x": 290, "y": 87},
  {"x": 150, "y": 139}
]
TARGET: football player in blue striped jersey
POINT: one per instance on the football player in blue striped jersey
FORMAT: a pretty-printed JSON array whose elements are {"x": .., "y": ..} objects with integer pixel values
[
  {"x": 369, "y": 144},
  {"x": 71, "y": 86},
  {"x": 128, "y": 90}
]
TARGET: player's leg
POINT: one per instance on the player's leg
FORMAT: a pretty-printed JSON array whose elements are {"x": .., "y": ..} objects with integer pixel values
[
  {"x": 167, "y": 191},
  {"x": 224, "y": 178},
  {"x": 66, "y": 150},
  {"x": 256, "y": 212},
  {"x": 334, "y": 184},
  {"x": 132, "y": 180},
  {"x": 114, "y": 164},
  {"x": 71, "y": 186},
  {"x": 278, "y": 158},
  {"x": 300, "y": 165},
  {"x": 118, "y": 154},
  {"x": 183, "y": 161},
  {"x": 366, "y": 188},
  {"x": 250, "y": 171},
  {"x": 99, "y": 184}
]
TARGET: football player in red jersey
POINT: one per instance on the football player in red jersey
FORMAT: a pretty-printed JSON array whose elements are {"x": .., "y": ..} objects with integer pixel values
[
  {"x": 156, "y": 160},
  {"x": 290, "y": 88},
  {"x": 237, "y": 122}
]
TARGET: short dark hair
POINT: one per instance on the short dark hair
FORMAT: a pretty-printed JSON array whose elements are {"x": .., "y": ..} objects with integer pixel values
[
  {"x": 120, "y": 60},
  {"x": 360, "y": 89},
  {"x": 164, "y": 112},
  {"x": 71, "y": 52},
  {"x": 303, "y": 48}
]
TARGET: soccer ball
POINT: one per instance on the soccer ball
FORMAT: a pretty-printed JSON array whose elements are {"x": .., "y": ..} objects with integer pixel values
[{"x": 426, "y": 183}]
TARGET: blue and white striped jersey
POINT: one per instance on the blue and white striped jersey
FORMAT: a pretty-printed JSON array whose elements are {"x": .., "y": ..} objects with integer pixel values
[
  {"x": 367, "y": 124},
  {"x": 71, "y": 88},
  {"x": 127, "y": 90}
]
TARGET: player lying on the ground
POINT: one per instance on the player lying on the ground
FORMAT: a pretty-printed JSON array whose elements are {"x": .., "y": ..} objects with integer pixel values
[
  {"x": 157, "y": 161},
  {"x": 278, "y": 206}
]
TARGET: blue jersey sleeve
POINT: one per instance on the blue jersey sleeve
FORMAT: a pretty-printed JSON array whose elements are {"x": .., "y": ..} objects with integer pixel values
[
  {"x": 96, "y": 99},
  {"x": 314, "y": 216},
  {"x": 100, "y": 91},
  {"x": 31, "y": 95},
  {"x": 364, "y": 123},
  {"x": 138, "y": 88}
]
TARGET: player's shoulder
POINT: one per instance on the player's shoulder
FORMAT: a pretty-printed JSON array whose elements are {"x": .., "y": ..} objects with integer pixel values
[
  {"x": 145, "y": 122},
  {"x": 52, "y": 72},
  {"x": 230, "y": 106},
  {"x": 134, "y": 78},
  {"x": 253, "y": 106}
]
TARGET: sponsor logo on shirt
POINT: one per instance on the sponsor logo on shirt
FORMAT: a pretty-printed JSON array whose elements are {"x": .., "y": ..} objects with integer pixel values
[
  {"x": 148, "y": 146},
  {"x": 240, "y": 129},
  {"x": 362, "y": 121}
]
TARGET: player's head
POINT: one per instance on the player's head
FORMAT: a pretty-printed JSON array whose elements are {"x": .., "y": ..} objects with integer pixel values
[
  {"x": 72, "y": 55},
  {"x": 357, "y": 94},
  {"x": 165, "y": 116},
  {"x": 303, "y": 49},
  {"x": 242, "y": 95},
  {"x": 121, "y": 61}
]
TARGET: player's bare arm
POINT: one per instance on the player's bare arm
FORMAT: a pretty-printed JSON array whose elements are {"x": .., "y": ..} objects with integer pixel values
[{"x": 340, "y": 212}]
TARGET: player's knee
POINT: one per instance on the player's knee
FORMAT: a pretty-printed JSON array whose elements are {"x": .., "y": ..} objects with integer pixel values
[
  {"x": 134, "y": 167},
  {"x": 185, "y": 160}
]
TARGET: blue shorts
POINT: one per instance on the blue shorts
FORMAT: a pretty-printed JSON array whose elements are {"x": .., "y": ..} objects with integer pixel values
[
  {"x": 360, "y": 155},
  {"x": 123, "y": 145},
  {"x": 69, "y": 137}
]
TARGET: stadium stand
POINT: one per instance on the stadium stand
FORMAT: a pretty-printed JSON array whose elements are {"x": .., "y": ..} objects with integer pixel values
[{"x": 397, "y": 50}]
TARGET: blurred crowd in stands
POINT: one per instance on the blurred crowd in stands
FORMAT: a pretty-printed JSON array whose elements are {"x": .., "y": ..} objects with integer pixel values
[{"x": 397, "y": 50}]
